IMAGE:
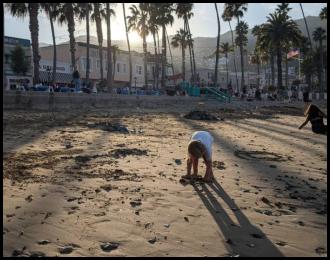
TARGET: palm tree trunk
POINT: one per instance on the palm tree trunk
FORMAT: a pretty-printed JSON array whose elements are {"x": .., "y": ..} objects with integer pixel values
[
  {"x": 54, "y": 47},
  {"x": 156, "y": 61},
  {"x": 227, "y": 69},
  {"x": 71, "y": 29},
  {"x": 217, "y": 51},
  {"x": 272, "y": 67},
  {"x": 109, "y": 72},
  {"x": 321, "y": 68},
  {"x": 279, "y": 67},
  {"x": 190, "y": 55},
  {"x": 114, "y": 55},
  {"x": 129, "y": 52},
  {"x": 164, "y": 62},
  {"x": 183, "y": 63},
  {"x": 258, "y": 71},
  {"x": 192, "y": 51},
  {"x": 34, "y": 29},
  {"x": 286, "y": 72},
  {"x": 99, "y": 37},
  {"x": 309, "y": 37},
  {"x": 87, "y": 29},
  {"x": 169, "y": 48},
  {"x": 145, "y": 61},
  {"x": 232, "y": 40}
]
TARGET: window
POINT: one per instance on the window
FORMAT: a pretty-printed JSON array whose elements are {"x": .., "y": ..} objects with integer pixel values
[
  {"x": 7, "y": 57},
  {"x": 138, "y": 70},
  {"x": 124, "y": 67},
  {"x": 98, "y": 64},
  {"x": 118, "y": 67}
]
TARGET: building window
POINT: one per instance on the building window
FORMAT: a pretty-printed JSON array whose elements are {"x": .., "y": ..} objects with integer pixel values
[
  {"x": 124, "y": 67},
  {"x": 118, "y": 67},
  {"x": 98, "y": 64},
  {"x": 138, "y": 70},
  {"x": 7, "y": 57}
]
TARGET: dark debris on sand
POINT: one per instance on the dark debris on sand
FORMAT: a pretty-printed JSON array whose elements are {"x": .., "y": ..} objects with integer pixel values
[{"x": 200, "y": 115}]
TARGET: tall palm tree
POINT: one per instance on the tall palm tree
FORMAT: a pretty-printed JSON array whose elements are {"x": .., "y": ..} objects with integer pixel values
[
  {"x": 184, "y": 11},
  {"x": 241, "y": 41},
  {"x": 319, "y": 36},
  {"x": 280, "y": 29},
  {"x": 99, "y": 13},
  {"x": 165, "y": 18},
  {"x": 226, "y": 16},
  {"x": 309, "y": 37},
  {"x": 84, "y": 13},
  {"x": 169, "y": 48},
  {"x": 180, "y": 39},
  {"x": 138, "y": 21},
  {"x": 68, "y": 11},
  {"x": 109, "y": 60},
  {"x": 129, "y": 50},
  {"x": 225, "y": 49},
  {"x": 237, "y": 10},
  {"x": 115, "y": 51},
  {"x": 21, "y": 10},
  {"x": 323, "y": 13},
  {"x": 218, "y": 48},
  {"x": 52, "y": 11}
]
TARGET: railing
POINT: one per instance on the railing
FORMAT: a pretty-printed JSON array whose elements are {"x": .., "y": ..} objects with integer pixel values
[{"x": 217, "y": 94}]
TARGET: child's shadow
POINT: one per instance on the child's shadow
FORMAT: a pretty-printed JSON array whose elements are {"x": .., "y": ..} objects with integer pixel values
[{"x": 244, "y": 239}]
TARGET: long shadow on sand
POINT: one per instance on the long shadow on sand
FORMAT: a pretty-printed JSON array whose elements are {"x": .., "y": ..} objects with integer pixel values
[{"x": 245, "y": 240}]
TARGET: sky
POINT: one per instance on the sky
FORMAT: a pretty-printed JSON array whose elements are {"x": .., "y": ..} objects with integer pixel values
[{"x": 203, "y": 23}]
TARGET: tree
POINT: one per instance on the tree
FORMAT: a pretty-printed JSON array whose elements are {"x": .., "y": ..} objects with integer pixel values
[
  {"x": 218, "y": 48},
  {"x": 184, "y": 10},
  {"x": 225, "y": 49},
  {"x": 278, "y": 31},
  {"x": 109, "y": 11},
  {"x": 129, "y": 49},
  {"x": 309, "y": 37},
  {"x": 226, "y": 16},
  {"x": 319, "y": 36},
  {"x": 323, "y": 13},
  {"x": 21, "y": 10},
  {"x": 97, "y": 16},
  {"x": 237, "y": 10},
  {"x": 180, "y": 40},
  {"x": 115, "y": 51},
  {"x": 52, "y": 11},
  {"x": 241, "y": 40},
  {"x": 67, "y": 13},
  {"x": 19, "y": 63}
]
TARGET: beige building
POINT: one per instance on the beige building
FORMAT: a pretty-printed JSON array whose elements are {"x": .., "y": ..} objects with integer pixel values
[{"x": 121, "y": 68}]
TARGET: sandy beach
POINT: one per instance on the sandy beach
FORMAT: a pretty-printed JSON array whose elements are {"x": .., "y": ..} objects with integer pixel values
[{"x": 107, "y": 183}]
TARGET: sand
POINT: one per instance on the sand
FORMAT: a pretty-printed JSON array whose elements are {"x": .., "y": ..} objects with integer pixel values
[{"x": 74, "y": 188}]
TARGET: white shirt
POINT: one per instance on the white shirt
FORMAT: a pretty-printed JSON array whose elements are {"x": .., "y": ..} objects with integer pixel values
[{"x": 206, "y": 139}]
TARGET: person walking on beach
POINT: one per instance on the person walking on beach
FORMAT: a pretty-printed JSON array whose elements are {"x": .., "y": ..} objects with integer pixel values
[
  {"x": 315, "y": 116},
  {"x": 200, "y": 146},
  {"x": 76, "y": 79}
]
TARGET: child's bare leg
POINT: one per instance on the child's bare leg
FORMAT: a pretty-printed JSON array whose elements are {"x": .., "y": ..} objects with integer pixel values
[
  {"x": 195, "y": 166},
  {"x": 189, "y": 165}
]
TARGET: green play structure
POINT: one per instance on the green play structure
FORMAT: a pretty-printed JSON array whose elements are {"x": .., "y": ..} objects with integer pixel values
[{"x": 210, "y": 92}]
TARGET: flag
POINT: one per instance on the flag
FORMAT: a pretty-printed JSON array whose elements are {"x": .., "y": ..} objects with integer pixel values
[{"x": 292, "y": 53}]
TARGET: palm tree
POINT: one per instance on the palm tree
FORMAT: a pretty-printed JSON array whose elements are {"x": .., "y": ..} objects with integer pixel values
[
  {"x": 323, "y": 13},
  {"x": 115, "y": 51},
  {"x": 84, "y": 13},
  {"x": 280, "y": 29},
  {"x": 241, "y": 40},
  {"x": 218, "y": 48},
  {"x": 97, "y": 16},
  {"x": 227, "y": 18},
  {"x": 180, "y": 39},
  {"x": 52, "y": 11},
  {"x": 237, "y": 10},
  {"x": 309, "y": 37},
  {"x": 165, "y": 18},
  {"x": 109, "y": 11},
  {"x": 169, "y": 48},
  {"x": 21, "y": 10},
  {"x": 137, "y": 21},
  {"x": 67, "y": 12},
  {"x": 184, "y": 10},
  {"x": 319, "y": 36},
  {"x": 129, "y": 50},
  {"x": 225, "y": 49}
]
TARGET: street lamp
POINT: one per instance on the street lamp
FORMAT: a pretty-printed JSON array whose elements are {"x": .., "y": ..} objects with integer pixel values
[{"x": 48, "y": 70}]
